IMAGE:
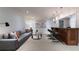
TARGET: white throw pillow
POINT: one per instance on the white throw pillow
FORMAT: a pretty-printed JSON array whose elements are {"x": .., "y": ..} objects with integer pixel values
[
  {"x": 13, "y": 35},
  {"x": 5, "y": 36}
]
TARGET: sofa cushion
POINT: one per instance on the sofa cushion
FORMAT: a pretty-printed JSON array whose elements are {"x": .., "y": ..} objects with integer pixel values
[
  {"x": 23, "y": 36},
  {"x": 8, "y": 44},
  {"x": 22, "y": 32},
  {"x": 8, "y": 39}
]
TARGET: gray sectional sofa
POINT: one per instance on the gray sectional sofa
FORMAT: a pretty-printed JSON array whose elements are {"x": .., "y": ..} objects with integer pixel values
[
  {"x": 13, "y": 44},
  {"x": 23, "y": 38}
]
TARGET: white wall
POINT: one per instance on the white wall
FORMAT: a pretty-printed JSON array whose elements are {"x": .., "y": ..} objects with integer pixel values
[
  {"x": 69, "y": 21},
  {"x": 42, "y": 25},
  {"x": 77, "y": 21},
  {"x": 13, "y": 17},
  {"x": 49, "y": 24},
  {"x": 73, "y": 21},
  {"x": 30, "y": 23},
  {"x": 77, "y": 17},
  {"x": 35, "y": 24}
]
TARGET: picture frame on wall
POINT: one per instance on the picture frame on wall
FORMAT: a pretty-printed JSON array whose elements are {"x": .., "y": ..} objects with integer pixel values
[{"x": 40, "y": 25}]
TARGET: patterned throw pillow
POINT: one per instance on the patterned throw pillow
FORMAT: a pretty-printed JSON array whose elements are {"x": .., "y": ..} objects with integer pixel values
[{"x": 18, "y": 34}]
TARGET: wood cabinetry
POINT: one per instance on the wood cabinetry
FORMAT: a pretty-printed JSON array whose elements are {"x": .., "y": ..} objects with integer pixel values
[
  {"x": 72, "y": 36},
  {"x": 68, "y": 35}
]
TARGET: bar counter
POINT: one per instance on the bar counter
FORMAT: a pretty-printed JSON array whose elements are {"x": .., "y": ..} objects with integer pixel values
[{"x": 68, "y": 35}]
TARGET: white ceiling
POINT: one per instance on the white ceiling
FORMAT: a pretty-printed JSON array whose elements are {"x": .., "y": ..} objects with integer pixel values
[{"x": 42, "y": 12}]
